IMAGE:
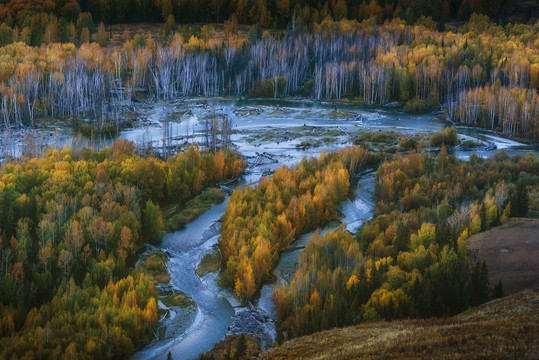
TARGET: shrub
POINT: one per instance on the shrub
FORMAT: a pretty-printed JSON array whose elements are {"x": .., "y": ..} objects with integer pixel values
[
  {"x": 419, "y": 106},
  {"x": 447, "y": 136}
]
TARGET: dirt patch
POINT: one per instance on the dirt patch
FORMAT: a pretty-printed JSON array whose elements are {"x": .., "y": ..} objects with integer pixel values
[{"x": 511, "y": 252}]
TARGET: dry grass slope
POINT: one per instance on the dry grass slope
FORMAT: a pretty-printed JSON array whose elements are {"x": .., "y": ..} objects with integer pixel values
[
  {"x": 511, "y": 252},
  {"x": 506, "y": 328}
]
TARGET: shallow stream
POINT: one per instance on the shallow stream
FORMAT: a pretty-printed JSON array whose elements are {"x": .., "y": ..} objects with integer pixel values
[{"x": 269, "y": 134}]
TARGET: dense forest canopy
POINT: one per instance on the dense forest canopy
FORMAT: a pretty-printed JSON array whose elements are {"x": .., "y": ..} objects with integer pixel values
[
  {"x": 411, "y": 260},
  {"x": 260, "y": 221},
  {"x": 280, "y": 12},
  {"x": 71, "y": 223}
]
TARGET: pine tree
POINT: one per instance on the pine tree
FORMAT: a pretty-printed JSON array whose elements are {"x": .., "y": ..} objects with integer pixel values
[
  {"x": 442, "y": 234},
  {"x": 402, "y": 240},
  {"x": 519, "y": 200},
  {"x": 483, "y": 215},
  {"x": 523, "y": 198},
  {"x": 480, "y": 283},
  {"x": 152, "y": 222},
  {"x": 498, "y": 292},
  {"x": 416, "y": 298}
]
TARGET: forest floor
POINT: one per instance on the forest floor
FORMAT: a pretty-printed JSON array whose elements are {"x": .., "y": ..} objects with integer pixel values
[
  {"x": 502, "y": 328},
  {"x": 511, "y": 252}
]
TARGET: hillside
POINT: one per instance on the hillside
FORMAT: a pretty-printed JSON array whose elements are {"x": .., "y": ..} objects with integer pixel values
[
  {"x": 502, "y": 328},
  {"x": 511, "y": 252}
]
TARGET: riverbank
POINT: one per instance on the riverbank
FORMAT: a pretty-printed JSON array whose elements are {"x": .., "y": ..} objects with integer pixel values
[{"x": 312, "y": 124}]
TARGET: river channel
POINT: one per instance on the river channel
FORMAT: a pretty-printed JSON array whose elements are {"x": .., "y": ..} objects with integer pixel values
[{"x": 269, "y": 134}]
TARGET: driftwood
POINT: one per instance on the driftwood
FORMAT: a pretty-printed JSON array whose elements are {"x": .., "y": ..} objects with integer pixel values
[
  {"x": 340, "y": 128},
  {"x": 227, "y": 190},
  {"x": 261, "y": 156}
]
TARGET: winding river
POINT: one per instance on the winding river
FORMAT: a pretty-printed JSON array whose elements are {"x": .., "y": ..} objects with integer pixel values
[
  {"x": 214, "y": 312},
  {"x": 269, "y": 134}
]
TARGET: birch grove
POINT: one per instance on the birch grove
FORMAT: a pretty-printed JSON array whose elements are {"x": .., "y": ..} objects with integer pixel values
[{"x": 373, "y": 64}]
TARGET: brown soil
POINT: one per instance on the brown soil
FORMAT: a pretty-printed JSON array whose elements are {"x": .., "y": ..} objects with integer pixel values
[{"x": 511, "y": 252}]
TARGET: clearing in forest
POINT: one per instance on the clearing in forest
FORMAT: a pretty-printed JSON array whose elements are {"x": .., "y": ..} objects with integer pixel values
[{"x": 511, "y": 252}]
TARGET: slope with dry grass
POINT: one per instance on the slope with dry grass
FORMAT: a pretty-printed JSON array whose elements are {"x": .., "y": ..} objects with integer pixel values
[
  {"x": 511, "y": 252},
  {"x": 502, "y": 328}
]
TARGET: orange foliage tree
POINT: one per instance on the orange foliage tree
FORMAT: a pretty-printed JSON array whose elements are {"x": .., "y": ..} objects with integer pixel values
[{"x": 260, "y": 221}]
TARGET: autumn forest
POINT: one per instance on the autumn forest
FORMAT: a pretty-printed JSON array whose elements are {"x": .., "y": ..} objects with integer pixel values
[{"x": 232, "y": 175}]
